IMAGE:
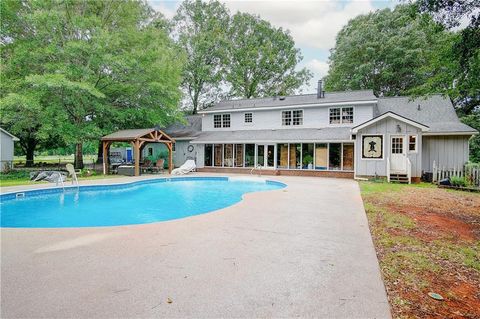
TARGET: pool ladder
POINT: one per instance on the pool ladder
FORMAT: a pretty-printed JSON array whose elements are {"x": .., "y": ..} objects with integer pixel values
[{"x": 258, "y": 168}]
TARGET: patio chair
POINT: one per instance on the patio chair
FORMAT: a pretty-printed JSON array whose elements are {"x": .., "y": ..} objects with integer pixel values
[
  {"x": 159, "y": 166},
  {"x": 146, "y": 166}
]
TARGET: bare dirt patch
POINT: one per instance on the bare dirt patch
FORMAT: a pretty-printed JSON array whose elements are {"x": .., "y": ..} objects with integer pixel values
[{"x": 427, "y": 240}]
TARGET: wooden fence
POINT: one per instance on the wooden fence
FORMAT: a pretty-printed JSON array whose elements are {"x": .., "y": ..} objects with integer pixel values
[{"x": 470, "y": 172}]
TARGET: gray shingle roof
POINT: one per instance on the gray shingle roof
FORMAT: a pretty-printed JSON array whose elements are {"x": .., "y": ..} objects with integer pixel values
[
  {"x": 192, "y": 128},
  {"x": 436, "y": 112},
  {"x": 128, "y": 134},
  {"x": 280, "y": 135},
  {"x": 330, "y": 97}
]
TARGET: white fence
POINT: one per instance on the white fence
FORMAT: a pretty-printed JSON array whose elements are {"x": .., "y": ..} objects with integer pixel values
[{"x": 471, "y": 173}]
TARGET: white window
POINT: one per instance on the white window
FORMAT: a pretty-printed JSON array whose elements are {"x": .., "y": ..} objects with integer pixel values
[
  {"x": 412, "y": 143},
  {"x": 341, "y": 115},
  {"x": 226, "y": 120},
  {"x": 292, "y": 117},
  {"x": 221, "y": 120},
  {"x": 298, "y": 117},
  {"x": 347, "y": 114},
  {"x": 248, "y": 117},
  {"x": 217, "y": 120}
]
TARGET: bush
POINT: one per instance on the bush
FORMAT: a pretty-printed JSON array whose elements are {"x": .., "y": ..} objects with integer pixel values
[
  {"x": 11, "y": 175},
  {"x": 458, "y": 181}
]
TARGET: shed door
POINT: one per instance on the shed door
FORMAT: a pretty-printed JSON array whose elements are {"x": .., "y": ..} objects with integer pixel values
[{"x": 398, "y": 162}]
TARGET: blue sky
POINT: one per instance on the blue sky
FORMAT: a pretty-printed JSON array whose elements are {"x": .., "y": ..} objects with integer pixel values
[{"x": 313, "y": 24}]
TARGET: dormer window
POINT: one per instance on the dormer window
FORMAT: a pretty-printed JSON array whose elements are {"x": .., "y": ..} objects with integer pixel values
[
  {"x": 221, "y": 120},
  {"x": 294, "y": 117},
  {"x": 341, "y": 115}
]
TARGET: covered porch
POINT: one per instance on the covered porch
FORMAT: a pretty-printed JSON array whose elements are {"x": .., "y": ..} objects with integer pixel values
[{"x": 138, "y": 138}]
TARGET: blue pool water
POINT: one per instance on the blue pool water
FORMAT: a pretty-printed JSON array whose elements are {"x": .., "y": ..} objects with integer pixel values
[{"x": 134, "y": 203}]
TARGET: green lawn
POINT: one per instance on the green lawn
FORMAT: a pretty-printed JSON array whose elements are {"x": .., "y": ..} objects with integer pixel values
[
  {"x": 24, "y": 179},
  {"x": 50, "y": 159}
]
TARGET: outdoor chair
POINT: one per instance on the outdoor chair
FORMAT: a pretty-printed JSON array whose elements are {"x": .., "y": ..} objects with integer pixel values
[
  {"x": 147, "y": 166},
  {"x": 72, "y": 173},
  {"x": 159, "y": 166}
]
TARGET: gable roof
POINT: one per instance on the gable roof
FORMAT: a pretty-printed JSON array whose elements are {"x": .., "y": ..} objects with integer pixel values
[
  {"x": 191, "y": 129},
  {"x": 14, "y": 138},
  {"x": 421, "y": 126},
  {"x": 292, "y": 100},
  {"x": 152, "y": 134},
  {"x": 436, "y": 112}
]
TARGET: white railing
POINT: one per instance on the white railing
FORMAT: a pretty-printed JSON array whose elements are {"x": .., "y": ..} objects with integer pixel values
[
  {"x": 471, "y": 173},
  {"x": 409, "y": 170},
  {"x": 388, "y": 169}
]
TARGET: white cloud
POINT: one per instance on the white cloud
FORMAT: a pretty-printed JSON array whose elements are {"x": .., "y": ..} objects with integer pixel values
[
  {"x": 319, "y": 68},
  {"x": 311, "y": 23},
  {"x": 161, "y": 6}
]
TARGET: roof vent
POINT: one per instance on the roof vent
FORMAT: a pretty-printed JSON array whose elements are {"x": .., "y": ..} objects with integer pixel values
[
  {"x": 281, "y": 98},
  {"x": 418, "y": 107}
]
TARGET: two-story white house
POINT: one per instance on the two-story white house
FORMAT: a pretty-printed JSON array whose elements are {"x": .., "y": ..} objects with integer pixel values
[{"x": 343, "y": 134}]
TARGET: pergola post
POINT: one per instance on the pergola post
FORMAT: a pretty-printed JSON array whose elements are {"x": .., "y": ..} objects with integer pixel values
[
  {"x": 105, "y": 146},
  {"x": 137, "y": 157},
  {"x": 170, "y": 158}
]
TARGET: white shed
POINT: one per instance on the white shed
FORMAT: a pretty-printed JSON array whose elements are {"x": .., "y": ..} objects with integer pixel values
[{"x": 6, "y": 149}]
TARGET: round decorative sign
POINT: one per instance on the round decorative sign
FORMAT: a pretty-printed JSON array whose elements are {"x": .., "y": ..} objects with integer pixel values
[{"x": 190, "y": 148}]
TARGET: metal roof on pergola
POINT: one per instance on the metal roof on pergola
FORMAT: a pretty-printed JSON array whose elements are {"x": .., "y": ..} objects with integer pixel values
[{"x": 138, "y": 138}]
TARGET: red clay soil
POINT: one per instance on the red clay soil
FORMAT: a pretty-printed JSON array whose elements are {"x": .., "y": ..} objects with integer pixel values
[{"x": 448, "y": 218}]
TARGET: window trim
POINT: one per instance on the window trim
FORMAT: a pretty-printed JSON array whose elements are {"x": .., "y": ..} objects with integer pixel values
[
  {"x": 245, "y": 118},
  {"x": 416, "y": 143},
  {"x": 222, "y": 120},
  {"x": 291, "y": 117},
  {"x": 341, "y": 115}
]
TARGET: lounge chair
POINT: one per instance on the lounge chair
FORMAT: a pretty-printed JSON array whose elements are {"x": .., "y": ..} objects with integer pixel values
[{"x": 187, "y": 167}]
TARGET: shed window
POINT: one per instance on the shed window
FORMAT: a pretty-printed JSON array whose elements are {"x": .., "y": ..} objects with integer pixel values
[
  {"x": 248, "y": 117},
  {"x": 412, "y": 143},
  {"x": 150, "y": 151}
]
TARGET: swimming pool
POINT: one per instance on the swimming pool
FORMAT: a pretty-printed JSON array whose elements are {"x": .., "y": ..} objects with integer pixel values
[{"x": 139, "y": 202}]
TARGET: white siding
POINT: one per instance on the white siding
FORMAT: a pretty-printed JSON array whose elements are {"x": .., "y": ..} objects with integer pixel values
[
  {"x": 387, "y": 127},
  {"x": 6, "y": 150},
  {"x": 447, "y": 151},
  {"x": 313, "y": 117}
]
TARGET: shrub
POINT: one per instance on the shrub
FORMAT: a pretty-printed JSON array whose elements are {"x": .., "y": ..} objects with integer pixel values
[{"x": 458, "y": 181}]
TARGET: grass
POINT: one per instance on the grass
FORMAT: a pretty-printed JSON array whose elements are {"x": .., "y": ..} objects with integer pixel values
[
  {"x": 426, "y": 240},
  {"x": 51, "y": 159},
  {"x": 17, "y": 178}
]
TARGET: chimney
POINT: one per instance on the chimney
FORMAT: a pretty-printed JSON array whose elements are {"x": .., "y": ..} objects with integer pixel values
[{"x": 320, "y": 91}]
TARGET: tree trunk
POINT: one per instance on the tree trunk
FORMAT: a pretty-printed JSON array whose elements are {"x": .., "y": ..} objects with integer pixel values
[
  {"x": 30, "y": 153},
  {"x": 100, "y": 153},
  {"x": 78, "y": 156}
]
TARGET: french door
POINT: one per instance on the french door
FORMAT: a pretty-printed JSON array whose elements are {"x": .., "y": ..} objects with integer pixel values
[{"x": 266, "y": 155}]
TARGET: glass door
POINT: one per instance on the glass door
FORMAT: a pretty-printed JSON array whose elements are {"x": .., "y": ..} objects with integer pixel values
[{"x": 266, "y": 155}]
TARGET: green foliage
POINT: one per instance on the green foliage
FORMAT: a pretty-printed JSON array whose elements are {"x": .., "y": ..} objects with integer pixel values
[
  {"x": 307, "y": 159},
  {"x": 384, "y": 51},
  {"x": 201, "y": 29},
  {"x": 262, "y": 59},
  {"x": 458, "y": 181},
  {"x": 13, "y": 175},
  {"x": 75, "y": 70}
]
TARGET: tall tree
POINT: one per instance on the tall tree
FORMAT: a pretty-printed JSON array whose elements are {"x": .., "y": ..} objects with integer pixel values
[
  {"x": 200, "y": 28},
  {"x": 262, "y": 59},
  {"x": 86, "y": 67},
  {"x": 384, "y": 51}
]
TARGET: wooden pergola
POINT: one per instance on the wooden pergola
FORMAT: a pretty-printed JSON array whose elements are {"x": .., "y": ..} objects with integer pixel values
[{"x": 138, "y": 138}]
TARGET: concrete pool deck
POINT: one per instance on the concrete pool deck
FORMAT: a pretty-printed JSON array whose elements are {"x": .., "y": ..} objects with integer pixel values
[{"x": 302, "y": 251}]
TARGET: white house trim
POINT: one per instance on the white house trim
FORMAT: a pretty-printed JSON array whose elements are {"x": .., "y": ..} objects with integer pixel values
[
  {"x": 449, "y": 133},
  {"x": 260, "y": 108},
  {"x": 14, "y": 138},
  {"x": 273, "y": 142},
  {"x": 355, "y": 129}
]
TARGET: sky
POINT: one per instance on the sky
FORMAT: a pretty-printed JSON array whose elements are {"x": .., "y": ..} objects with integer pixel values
[{"x": 312, "y": 24}]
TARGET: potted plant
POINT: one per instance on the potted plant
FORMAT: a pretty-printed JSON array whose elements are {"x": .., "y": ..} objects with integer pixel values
[{"x": 308, "y": 161}]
